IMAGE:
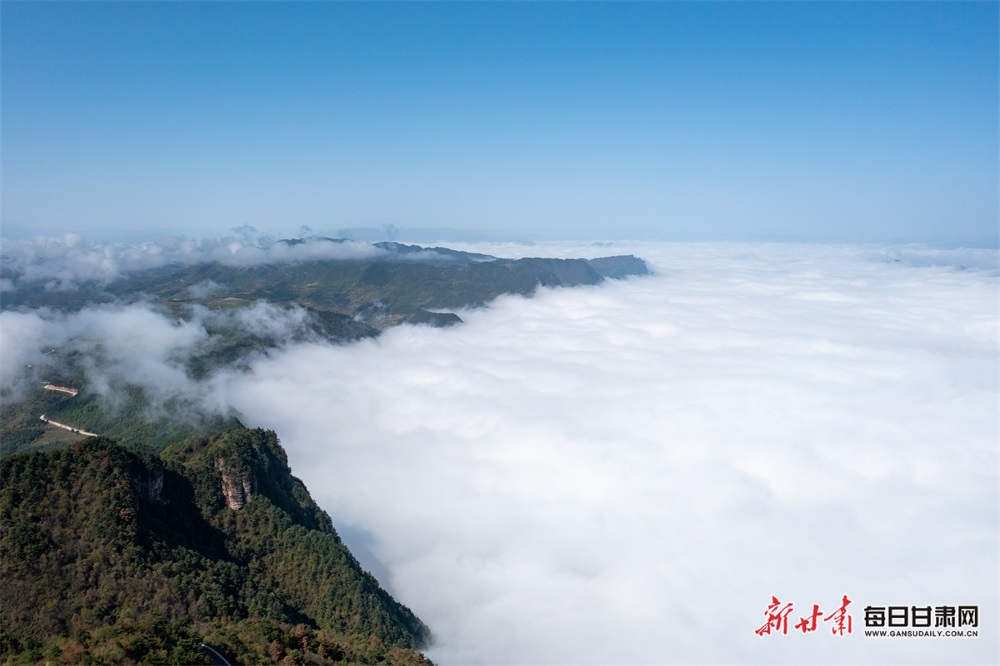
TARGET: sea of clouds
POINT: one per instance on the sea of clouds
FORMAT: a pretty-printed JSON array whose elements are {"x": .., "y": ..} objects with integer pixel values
[{"x": 627, "y": 473}]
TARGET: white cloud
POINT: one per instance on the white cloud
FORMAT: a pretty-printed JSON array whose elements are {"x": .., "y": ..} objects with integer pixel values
[
  {"x": 204, "y": 289},
  {"x": 627, "y": 473},
  {"x": 133, "y": 344}
]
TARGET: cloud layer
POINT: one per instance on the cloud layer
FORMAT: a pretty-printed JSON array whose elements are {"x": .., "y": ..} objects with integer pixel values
[{"x": 627, "y": 473}]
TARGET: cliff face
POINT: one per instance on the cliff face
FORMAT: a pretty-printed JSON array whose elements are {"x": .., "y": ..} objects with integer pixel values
[
  {"x": 110, "y": 556},
  {"x": 237, "y": 489},
  {"x": 232, "y": 470}
]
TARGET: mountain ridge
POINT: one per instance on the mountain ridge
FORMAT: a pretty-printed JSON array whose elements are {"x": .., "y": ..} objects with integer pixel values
[{"x": 401, "y": 281}]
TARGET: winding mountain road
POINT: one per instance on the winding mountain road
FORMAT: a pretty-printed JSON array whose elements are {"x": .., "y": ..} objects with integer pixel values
[{"x": 66, "y": 427}]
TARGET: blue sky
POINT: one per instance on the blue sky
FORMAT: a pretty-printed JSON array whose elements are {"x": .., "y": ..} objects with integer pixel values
[{"x": 803, "y": 121}]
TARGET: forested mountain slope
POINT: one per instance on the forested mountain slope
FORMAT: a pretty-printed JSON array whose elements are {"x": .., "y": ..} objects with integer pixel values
[{"x": 116, "y": 557}]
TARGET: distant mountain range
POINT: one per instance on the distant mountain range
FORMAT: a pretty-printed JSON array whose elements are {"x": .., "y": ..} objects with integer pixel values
[{"x": 356, "y": 297}]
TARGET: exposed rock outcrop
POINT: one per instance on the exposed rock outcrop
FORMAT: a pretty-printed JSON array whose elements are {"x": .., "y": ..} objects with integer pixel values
[{"x": 238, "y": 489}]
